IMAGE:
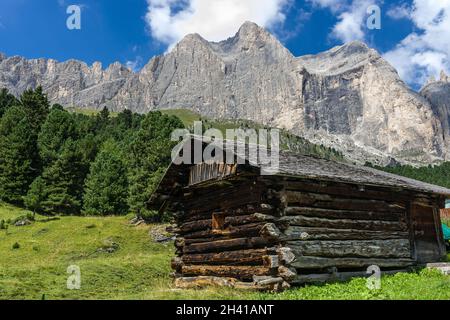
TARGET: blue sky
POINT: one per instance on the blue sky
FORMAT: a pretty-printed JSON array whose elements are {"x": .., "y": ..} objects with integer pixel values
[{"x": 414, "y": 34}]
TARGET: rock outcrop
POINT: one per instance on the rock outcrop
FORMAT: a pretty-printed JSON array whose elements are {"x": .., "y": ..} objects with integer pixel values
[
  {"x": 348, "y": 98},
  {"x": 438, "y": 94}
]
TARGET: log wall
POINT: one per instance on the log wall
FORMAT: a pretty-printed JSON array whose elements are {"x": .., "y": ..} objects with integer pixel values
[
  {"x": 270, "y": 232},
  {"x": 343, "y": 228},
  {"x": 227, "y": 235}
]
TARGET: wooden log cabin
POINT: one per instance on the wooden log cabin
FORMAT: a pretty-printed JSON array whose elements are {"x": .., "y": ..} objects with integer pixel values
[{"x": 314, "y": 221}]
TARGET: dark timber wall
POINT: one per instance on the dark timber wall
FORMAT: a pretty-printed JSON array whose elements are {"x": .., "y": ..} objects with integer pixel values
[{"x": 236, "y": 228}]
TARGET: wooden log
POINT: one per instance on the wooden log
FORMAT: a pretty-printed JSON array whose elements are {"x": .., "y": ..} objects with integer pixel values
[
  {"x": 372, "y": 225},
  {"x": 325, "y": 201},
  {"x": 244, "y": 210},
  {"x": 353, "y": 248},
  {"x": 249, "y": 230},
  {"x": 353, "y": 190},
  {"x": 271, "y": 232},
  {"x": 271, "y": 262},
  {"x": 286, "y": 255},
  {"x": 304, "y": 233},
  {"x": 227, "y": 245},
  {"x": 304, "y": 262},
  {"x": 196, "y": 226},
  {"x": 238, "y": 272},
  {"x": 345, "y": 214},
  {"x": 337, "y": 277},
  {"x": 275, "y": 284},
  {"x": 202, "y": 282},
  {"x": 232, "y": 196},
  {"x": 253, "y": 218},
  {"x": 269, "y": 283},
  {"x": 288, "y": 274},
  {"x": 240, "y": 257}
]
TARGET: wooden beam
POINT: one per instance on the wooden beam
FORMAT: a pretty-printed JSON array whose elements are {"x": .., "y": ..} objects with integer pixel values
[
  {"x": 326, "y": 201},
  {"x": 353, "y": 248},
  {"x": 306, "y": 233},
  {"x": 372, "y": 225},
  {"x": 304, "y": 262},
  {"x": 238, "y": 272},
  {"x": 345, "y": 214},
  {"x": 337, "y": 277},
  {"x": 227, "y": 245},
  {"x": 239, "y": 257}
]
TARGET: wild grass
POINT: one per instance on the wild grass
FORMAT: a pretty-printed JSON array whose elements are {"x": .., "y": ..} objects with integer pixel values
[{"x": 120, "y": 261}]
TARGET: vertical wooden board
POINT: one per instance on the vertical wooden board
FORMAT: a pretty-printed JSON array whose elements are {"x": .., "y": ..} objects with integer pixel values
[{"x": 426, "y": 243}]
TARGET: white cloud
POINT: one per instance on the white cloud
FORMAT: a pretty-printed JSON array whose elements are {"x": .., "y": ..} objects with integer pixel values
[
  {"x": 426, "y": 52},
  {"x": 399, "y": 12},
  {"x": 352, "y": 21},
  {"x": 333, "y": 5},
  {"x": 170, "y": 20},
  {"x": 352, "y": 17}
]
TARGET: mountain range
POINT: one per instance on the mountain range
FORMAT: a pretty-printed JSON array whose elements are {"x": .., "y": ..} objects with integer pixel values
[{"x": 348, "y": 98}]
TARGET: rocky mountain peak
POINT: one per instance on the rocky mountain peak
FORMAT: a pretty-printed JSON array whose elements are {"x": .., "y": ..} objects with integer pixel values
[
  {"x": 250, "y": 30},
  {"x": 348, "y": 97}
]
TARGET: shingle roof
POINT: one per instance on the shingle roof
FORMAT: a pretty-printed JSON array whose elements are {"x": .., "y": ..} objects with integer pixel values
[
  {"x": 310, "y": 167},
  {"x": 314, "y": 168}
]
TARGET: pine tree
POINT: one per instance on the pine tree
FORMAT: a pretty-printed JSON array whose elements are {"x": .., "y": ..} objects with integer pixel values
[
  {"x": 63, "y": 182},
  {"x": 58, "y": 127},
  {"x": 106, "y": 185},
  {"x": 36, "y": 106},
  {"x": 35, "y": 196},
  {"x": 149, "y": 155},
  {"x": 17, "y": 144},
  {"x": 7, "y": 100}
]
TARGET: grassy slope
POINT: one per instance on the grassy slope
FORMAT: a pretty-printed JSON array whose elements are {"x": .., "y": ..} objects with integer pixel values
[{"x": 139, "y": 269}]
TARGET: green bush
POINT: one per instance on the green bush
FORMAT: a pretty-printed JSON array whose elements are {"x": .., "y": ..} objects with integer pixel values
[{"x": 16, "y": 246}]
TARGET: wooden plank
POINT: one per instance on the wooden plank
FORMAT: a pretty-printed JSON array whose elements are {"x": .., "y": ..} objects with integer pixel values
[
  {"x": 363, "y": 249},
  {"x": 238, "y": 272},
  {"x": 373, "y": 225},
  {"x": 326, "y": 201},
  {"x": 227, "y": 245},
  {"x": 232, "y": 196},
  {"x": 268, "y": 283},
  {"x": 349, "y": 190},
  {"x": 305, "y": 233},
  {"x": 337, "y": 277},
  {"x": 345, "y": 214},
  {"x": 256, "y": 217},
  {"x": 306, "y": 262},
  {"x": 196, "y": 226},
  {"x": 240, "y": 257},
  {"x": 248, "y": 230},
  {"x": 243, "y": 210}
]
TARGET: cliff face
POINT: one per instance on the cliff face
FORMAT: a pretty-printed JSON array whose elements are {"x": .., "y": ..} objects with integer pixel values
[
  {"x": 348, "y": 98},
  {"x": 438, "y": 94}
]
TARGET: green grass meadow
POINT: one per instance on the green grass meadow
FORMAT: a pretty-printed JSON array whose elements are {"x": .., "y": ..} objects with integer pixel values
[{"x": 120, "y": 261}]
